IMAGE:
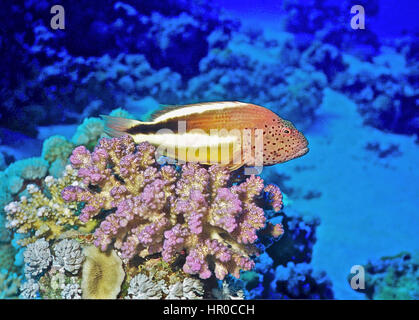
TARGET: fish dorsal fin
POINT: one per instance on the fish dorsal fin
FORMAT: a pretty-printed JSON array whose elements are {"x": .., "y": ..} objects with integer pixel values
[
  {"x": 174, "y": 109},
  {"x": 163, "y": 109},
  {"x": 117, "y": 126}
]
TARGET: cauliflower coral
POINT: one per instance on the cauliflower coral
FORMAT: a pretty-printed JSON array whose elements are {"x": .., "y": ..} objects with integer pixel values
[{"x": 157, "y": 209}]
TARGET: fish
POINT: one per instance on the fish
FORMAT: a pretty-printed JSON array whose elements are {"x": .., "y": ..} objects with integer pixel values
[{"x": 228, "y": 133}]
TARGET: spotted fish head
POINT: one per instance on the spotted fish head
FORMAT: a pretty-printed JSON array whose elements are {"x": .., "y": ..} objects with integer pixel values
[{"x": 282, "y": 142}]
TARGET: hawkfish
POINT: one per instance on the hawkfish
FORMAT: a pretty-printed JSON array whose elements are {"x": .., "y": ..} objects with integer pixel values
[{"x": 229, "y": 133}]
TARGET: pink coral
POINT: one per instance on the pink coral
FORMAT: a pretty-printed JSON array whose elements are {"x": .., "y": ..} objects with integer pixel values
[
  {"x": 275, "y": 196},
  {"x": 154, "y": 209}
]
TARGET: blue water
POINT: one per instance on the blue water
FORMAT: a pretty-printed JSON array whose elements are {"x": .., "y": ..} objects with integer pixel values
[{"x": 393, "y": 17}]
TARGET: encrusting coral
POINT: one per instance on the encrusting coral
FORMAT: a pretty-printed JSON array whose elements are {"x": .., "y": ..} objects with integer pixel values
[
  {"x": 154, "y": 209},
  {"x": 102, "y": 274}
]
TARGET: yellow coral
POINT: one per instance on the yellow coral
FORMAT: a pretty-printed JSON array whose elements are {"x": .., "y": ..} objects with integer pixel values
[
  {"x": 102, "y": 274},
  {"x": 44, "y": 213},
  {"x": 158, "y": 269}
]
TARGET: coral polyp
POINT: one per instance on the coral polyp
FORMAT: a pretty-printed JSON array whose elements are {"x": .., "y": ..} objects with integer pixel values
[{"x": 189, "y": 210}]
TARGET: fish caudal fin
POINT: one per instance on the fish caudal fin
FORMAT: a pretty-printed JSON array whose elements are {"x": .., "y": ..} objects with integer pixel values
[{"x": 117, "y": 126}]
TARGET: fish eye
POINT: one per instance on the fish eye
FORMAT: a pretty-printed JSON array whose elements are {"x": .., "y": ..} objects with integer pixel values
[{"x": 286, "y": 131}]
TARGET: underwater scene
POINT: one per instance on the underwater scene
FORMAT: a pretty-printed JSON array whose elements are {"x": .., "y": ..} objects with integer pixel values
[{"x": 180, "y": 149}]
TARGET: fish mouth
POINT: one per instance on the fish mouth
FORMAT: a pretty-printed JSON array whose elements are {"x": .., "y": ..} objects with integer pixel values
[{"x": 301, "y": 152}]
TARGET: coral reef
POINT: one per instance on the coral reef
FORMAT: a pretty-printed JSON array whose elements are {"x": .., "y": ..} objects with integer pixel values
[
  {"x": 141, "y": 287},
  {"x": 190, "y": 289},
  {"x": 192, "y": 218},
  {"x": 325, "y": 21},
  {"x": 56, "y": 148},
  {"x": 29, "y": 289},
  {"x": 283, "y": 271},
  {"x": 102, "y": 274},
  {"x": 9, "y": 284},
  {"x": 60, "y": 68},
  {"x": 384, "y": 89},
  {"x": 37, "y": 258},
  {"x": 173, "y": 53},
  {"x": 158, "y": 278},
  {"x": 18, "y": 175},
  {"x": 392, "y": 278},
  {"x": 7, "y": 257},
  {"x": 204, "y": 222},
  {"x": 200, "y": 215},
  {"x": 298, "y": 239},
  {"x": 243, "y": 70},
  {"x": 164, "y": 211},
  {"x": 299, "y": 281},
  {"x": 71, "y": 291},
  {"x": 5, "y": 194},
  {"x": 27, "y": 169},
  {"x": 89, "y": 132},
  {"x": 228, "y": 290},
  {"x": 47, "y": 279},
  {"x": 68, "y": 256},
  {"x": 42, "y": 212}
]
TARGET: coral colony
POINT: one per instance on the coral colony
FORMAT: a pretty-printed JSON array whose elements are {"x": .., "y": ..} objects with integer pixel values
[
  {"x": 87, "y": 233},
  {"x": 137, "y": 208},
  {"x": 163, "y": 210}
]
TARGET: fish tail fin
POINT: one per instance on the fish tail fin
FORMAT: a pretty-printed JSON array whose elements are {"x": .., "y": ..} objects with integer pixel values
[{"x": 117, "y": 126}]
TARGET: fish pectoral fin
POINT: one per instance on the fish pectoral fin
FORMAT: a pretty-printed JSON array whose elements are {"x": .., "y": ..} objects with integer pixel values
[
  {"x": 233, "y": 167},
  {"x": 237, "y": 161}
]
